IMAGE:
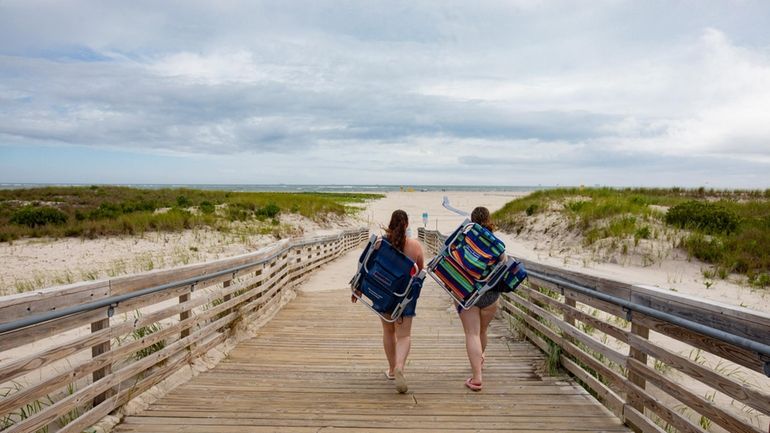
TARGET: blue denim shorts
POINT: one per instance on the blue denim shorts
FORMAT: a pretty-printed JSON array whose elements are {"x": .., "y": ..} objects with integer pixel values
[{"x": 409, "y": 309}]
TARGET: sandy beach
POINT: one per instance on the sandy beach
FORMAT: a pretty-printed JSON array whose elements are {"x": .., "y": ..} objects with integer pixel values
[
  {"x": 51, "y": 262},
  {"x": 37, "y": 263}
]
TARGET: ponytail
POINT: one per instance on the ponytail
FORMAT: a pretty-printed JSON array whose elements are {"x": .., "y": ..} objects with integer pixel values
[{"x": 396, "y": 231}]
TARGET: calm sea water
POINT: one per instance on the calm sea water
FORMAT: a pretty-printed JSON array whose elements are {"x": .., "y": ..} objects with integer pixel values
[{"x": 308, "y": 188}]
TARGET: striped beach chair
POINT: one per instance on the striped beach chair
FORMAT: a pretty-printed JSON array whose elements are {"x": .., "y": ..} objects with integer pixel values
[
  {"x": 387, "y": 279},
  {"x": 473, "y": 261}
]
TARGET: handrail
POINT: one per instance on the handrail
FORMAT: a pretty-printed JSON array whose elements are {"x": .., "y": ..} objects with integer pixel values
[
  {"x": 113, "y": 301},
  {"x": 763, "y": 350},
  {"x": 619, "y": 380}
]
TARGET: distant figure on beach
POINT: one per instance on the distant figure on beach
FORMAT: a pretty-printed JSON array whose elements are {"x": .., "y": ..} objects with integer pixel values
[
  {"x": 397, "y": 336},
  {"x": 477, "y": 318}
]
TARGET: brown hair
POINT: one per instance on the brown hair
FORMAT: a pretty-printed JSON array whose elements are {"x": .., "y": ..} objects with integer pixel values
[
  {"x": 481, "y": 216},
  {"x": 396, "y": 231}
]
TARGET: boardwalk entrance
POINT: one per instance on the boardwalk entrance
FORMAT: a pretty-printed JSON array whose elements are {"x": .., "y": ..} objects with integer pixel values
[{"x": 318, "y": 366}]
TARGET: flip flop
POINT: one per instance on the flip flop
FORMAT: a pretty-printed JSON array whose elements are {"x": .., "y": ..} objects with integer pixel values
[
  {"x": 401, "y": 385},
  {"x": 472, "y": 386},
  {"x": 388, "y": 376}
]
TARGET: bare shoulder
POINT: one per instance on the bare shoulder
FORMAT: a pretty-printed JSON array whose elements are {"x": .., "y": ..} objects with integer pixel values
[
  {"x": 413, "y": 249},
  {"x": 413, "y": 245}
]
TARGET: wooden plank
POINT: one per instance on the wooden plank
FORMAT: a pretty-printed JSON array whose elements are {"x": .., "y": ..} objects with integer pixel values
[
  {"x": 571, "y": 314},
  {"x": 97, "y": 350},
  {"x": 717, "y": 347},
  {"x": 608, "y": 397},
  {"x": 34, "y": 333},
  {"x": 755, "y": 398},
  {"x": 638, "y": 355},
  {"x": 278, "y": 378},
  {"x": 620, "y": 382},
  {"x": 618, "y": 289},
  {"x": 696, "y": 402},
  {"x": 22, "y": 305},
  {"x": 50, "y": 413},
  {"x": 748, "y": 323},
  {"x": 575, "y": 333},
  {"x": 640, "y": 421}
]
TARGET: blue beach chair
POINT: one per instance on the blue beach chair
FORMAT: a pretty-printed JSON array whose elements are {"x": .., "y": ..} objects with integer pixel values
[
  {"x": 387, "y": 279},
  {"x": 472, "y": 262}
]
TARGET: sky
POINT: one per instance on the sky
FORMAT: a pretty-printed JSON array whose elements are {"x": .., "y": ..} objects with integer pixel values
[{"x": 517, "y": 92}]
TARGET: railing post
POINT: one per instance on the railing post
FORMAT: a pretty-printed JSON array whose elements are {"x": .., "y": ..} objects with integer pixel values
[
  {"x": 184, "y": 315},
  {"x": 640, "y": 356},
  {"x": 227, "y": 297},
  {"x": 96, "y": 351}
]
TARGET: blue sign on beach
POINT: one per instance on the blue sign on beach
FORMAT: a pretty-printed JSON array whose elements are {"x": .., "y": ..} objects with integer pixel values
[{"x": 425, "y": 219}]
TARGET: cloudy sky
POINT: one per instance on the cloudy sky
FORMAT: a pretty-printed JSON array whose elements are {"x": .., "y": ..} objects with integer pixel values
[{"x": 518, "y": 92}]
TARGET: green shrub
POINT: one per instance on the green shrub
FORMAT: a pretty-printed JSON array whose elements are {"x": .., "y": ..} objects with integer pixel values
[
  {"x": 532, "y": 209},
  {"x": 206, "y": 207},
  {"x": 269, "y": 211},
  {"x": 642, "y": 233},
  {"x": 699, "y": 246},
  {"x": 183, "y": 201},
  {"x": 31, "y": 216},
  {"x": 703, "y": 216}
]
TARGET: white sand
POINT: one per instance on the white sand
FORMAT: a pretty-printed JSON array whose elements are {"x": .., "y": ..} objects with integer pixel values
[{"x": 38, "y": 263}]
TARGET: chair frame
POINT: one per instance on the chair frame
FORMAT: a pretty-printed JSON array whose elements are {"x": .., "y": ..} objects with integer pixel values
[
  {"x": 488, "y": 283},
  {"x": 374, "y": 244}
]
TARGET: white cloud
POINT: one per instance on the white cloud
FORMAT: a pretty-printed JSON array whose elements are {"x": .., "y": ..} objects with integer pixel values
[{"x": 552, "y": 92}]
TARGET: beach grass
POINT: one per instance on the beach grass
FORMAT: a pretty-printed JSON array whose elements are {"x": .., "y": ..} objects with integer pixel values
[
  {"x": 97, "y": 211},
  {"x": 727, "y": 228}
]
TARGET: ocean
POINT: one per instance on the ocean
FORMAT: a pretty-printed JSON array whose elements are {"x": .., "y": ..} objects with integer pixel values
[{"x": 304, "y": 188}]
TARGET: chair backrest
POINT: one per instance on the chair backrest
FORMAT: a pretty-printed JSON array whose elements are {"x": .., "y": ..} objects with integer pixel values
[
  {"x": 478, "y": 250},
  {"x": 389, "y": 267}
]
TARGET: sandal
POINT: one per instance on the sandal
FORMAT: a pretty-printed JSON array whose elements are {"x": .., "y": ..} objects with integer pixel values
[
  {"x": 389, "y": 376},
  {"x": 472, "y": 386}
]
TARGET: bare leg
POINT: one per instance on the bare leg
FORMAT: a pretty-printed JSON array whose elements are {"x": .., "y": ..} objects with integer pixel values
[
  {"x": 471, "y": 319},
  {"x": 403, "y": 344},
  {"x": 487, "y": 314},
  {"x": 389, "y": 344},
  {"x": 403, "y": 341}
]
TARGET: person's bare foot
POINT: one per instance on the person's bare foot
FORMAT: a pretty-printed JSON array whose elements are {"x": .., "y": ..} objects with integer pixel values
[{"x": 401, "y": 385}]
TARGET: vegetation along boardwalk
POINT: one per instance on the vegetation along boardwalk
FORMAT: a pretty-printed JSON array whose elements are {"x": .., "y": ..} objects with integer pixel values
[{"x": 319, "y": 364}]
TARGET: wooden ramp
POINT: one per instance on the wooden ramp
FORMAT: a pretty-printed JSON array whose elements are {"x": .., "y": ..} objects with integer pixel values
[{"x": 318, "y": 367}]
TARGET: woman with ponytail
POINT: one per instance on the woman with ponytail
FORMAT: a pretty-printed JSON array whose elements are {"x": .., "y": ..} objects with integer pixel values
[{"x": 397, "y": 336}]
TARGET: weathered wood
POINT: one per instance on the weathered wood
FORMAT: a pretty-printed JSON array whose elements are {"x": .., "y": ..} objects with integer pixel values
[
  {"x": 272, "y": 382},
  {"x": 727, "y": 351},
  {"x": 95, "y": 352},
  {"x": 621, "y": 383},
  {"x": 205, "y": 337},
  {"x": 184, "y": 315},
  {"x": 755, "y": 398},
  {"x": 638, "y": 355},
  {"x": 570, "y": 313},
  {"x": 747, "y": 323},
  {"x": 575, "y": 333},
  {"x": 700, "y": 404},
  {"x": 640, "y": 421}
]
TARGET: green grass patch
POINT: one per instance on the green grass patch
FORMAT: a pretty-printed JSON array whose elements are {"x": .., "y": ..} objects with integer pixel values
[
  {"x": 96, "y": 211},
  {"x": 729, "y": 229}
]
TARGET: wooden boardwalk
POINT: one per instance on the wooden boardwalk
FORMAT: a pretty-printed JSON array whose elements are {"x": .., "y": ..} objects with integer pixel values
[{"x": 318, "y": 366}]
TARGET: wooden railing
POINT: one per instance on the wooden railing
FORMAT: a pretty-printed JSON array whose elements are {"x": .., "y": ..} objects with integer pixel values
[
  {"x": 656, "y": 374},
  {"x": 86, "y": 349}
]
